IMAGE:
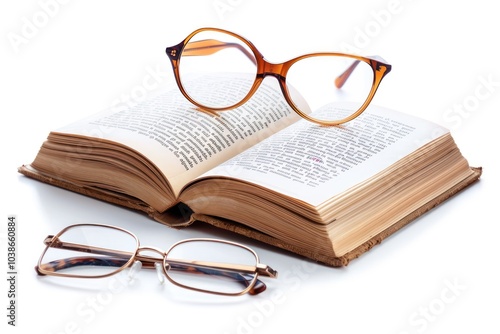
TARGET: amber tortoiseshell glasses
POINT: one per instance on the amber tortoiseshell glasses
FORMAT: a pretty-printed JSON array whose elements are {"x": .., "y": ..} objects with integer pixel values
[
  {"x": 205, "y": 265},
  {"x": 219, "y": 70}
]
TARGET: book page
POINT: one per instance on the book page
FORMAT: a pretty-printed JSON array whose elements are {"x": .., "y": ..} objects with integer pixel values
[
  {"x": 184, "y": 142},
  {"x": 313, "y": 163}
]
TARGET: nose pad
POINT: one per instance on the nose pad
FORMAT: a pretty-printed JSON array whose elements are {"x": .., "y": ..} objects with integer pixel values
[
  {"x": 159, "y": 272},
  {"x": 134, "y": 269}
]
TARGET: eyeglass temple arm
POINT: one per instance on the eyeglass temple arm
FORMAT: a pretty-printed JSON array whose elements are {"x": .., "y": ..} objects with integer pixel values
[
  {"x": 262, "y": 269},
  {"x": 210, "y": 46},
  {"x": 61, "y": 264},
  {"x": 55, "y": 242},
  {"x": 242, "y": 278},
  {"x": 342, "y": 78}
]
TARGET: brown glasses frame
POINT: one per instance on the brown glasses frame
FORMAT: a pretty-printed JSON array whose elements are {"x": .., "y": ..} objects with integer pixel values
[
  {"x": 278, "y": 70},
  {"x": 124, "y": 260}
]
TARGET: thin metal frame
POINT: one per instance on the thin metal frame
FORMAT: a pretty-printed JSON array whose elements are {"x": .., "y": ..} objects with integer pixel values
[{"x": 127, "y": 259}]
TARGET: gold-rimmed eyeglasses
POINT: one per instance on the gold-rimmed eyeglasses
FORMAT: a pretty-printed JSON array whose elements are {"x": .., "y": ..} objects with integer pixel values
[
  {"x": 218, "y": 70},
  {"x": 206, "y": 265}
]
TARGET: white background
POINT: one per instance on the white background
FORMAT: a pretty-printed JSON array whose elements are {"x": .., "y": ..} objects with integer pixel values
[{"x": 63, "y": 61}]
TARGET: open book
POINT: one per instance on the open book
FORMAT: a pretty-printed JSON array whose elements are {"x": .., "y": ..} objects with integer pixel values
[{"x": 327, "y": 193}]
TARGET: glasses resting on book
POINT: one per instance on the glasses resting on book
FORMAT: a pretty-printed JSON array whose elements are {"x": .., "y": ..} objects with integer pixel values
[
  {"x": 205, "y": 265},
  {"x": 232, "y": 70}
]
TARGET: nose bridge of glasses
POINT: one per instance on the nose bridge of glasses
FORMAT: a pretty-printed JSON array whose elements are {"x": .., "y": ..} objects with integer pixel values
[
  {"x": 149, "y": 261},
  {"x": 276, "y": 70}
]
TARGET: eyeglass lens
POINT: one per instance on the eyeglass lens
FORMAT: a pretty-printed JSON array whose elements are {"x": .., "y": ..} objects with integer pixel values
[
  {"x": 89, "y": 251},
  {"x": 209, "y": 264},
  {"x": 226, "y": 65}
]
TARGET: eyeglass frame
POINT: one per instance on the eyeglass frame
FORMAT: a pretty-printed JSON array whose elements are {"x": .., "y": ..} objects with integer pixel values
[
  {"x": 254, "y": 287},
  {"x": 265, "y": 68}
]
